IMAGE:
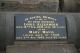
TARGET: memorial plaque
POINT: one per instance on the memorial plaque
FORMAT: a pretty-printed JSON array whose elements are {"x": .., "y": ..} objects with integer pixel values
[{"x": 40, "y": 27}]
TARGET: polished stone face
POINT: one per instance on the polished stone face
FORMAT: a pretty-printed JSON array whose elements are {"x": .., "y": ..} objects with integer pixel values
[{"x": 40, "y": 27}]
